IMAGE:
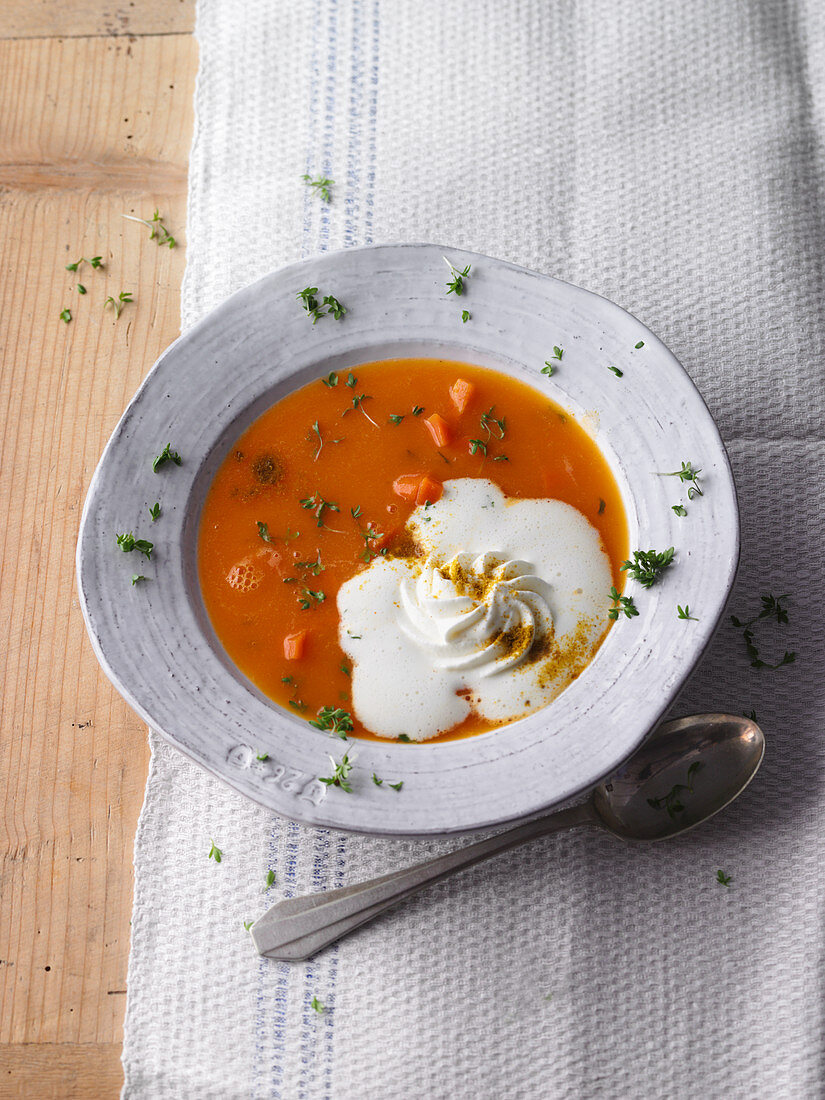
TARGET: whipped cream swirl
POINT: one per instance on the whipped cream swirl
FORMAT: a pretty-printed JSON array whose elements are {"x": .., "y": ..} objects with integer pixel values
[
  {"x": 501, "y": 608},
  {"x": 484, "y": 613}
]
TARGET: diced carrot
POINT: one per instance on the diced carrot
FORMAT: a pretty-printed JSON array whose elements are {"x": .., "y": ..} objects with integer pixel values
[
  {"x": 429, "y": 491},
  {"x": 406, "y": 486},
  {"x": 439, "y": 429},
  {"x": 461, "y": 393},
  {"x": 294, "y": 645}
]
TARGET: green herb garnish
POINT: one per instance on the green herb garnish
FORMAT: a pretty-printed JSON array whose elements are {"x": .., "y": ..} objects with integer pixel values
[
  {"x": 404, "y": 737},
  {"x": 330, "y": 380},
  {"x": 262, "y": 756},
  {"x": 772, "y": 608},
  {"x": 340, "y": 773},
  {"x": 316, "y": 309},
  {"x": 396, "y": 786},
  {"x": 96, "y": 261},
  {"x": 334, "y": 307},
  {"x": 357, "y": 403},
  {"x": 684, "y": 613},
  {"x": 166, "y": 455},
  {"x": 647, "y": 565},
  {"x": 66, "y": 315},
  {"x": 139, "y": 577},
  {"x": 498, "y": 425},
  {"x": 269, "y": 880},
  {"x": 315, "y": 1003},
  {"x": 124, "y": 298},
  {"x": 680, "y": 509},
  {"x": 623, "y": 604},
  {"x": 307, "y": 598},
  {"x": 215, "y": 853},
  {"x": 456, "y": 284},
  {"x": 477, "y": 445},
  {"x": 320, "y": 186},
  {"x": 81, "y": 289},
  {"x": 641, "y": 344},
  {"x": 395, "y": 418},
  {"x": 154, "y": 511},
  {"x": 417, "y": 410},
  {"x": 310, "y": 302},
  {"x": 128, "y": 543},
  {"x": 314, "y": 567},
  {"x": 378, "y": 782},
  {"x": 317, "y": 431},
  {"x": 333, "y": 720},
  {"x": 248, "y": 924},
  {"x": 157, "y": 230},
  {"x": 317, "y": 505},
  {"x": 617, "y": 372},
  {"x": 690, "y": 474},
  {"x": 723, "y": 879},
  {"x": 672, "y": 801},
  {"x": 465, "y": 316}
]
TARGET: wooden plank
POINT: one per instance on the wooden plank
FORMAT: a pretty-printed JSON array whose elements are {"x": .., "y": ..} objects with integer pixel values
[
  {"x": 73, "y": 757},
  {"x": 65, "y": 1071},
  {"x": 78, "y": 18}
]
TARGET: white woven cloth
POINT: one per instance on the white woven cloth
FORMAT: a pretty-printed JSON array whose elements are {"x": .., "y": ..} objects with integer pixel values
[{"x": 668, "y": 154}]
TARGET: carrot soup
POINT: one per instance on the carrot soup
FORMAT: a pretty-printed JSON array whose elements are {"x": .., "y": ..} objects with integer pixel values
[{"x": 416, "y": 549}]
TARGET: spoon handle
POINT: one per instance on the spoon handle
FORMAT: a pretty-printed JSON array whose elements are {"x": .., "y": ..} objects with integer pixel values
[{"x": 299, "y": 927}]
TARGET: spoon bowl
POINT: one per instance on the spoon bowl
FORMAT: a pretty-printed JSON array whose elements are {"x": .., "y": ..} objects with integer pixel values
[{"x": 686, "y": 771}]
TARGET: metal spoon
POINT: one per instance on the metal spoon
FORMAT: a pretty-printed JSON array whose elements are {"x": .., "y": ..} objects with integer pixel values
[{"x": 685, "y": 772}]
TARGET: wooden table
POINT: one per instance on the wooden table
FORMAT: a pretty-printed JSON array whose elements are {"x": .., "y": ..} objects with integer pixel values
[{"x": 95, "y": 122}]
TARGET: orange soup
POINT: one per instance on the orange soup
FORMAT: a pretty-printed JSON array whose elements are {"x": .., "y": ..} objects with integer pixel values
[{"x": 320, "y": 489}]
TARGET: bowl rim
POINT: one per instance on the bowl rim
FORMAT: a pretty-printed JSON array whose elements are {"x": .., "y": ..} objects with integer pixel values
[{"x": 154, "y": 641}]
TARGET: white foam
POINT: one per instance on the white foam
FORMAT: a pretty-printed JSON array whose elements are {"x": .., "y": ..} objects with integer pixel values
[{"x": 415, "y": 640}]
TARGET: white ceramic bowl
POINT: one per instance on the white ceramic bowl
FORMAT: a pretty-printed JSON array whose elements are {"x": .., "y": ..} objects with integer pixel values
[{"x": 156, "y": 643}]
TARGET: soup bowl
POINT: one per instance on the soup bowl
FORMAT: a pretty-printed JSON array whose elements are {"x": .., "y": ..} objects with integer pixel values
[{"x": 154, "y": 639}]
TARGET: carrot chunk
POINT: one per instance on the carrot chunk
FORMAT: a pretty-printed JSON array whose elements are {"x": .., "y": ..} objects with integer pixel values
[
  {"x": 406, "y": 486},
  {"x": 439, "y": 429},
  {"x": 461, "y": 393},
  {"x": 294, "y": 645},
  {"x": 429, "y": 491}
]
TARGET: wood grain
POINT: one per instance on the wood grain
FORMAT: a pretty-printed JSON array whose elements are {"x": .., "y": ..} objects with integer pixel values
[
  {"x": 40, "y": 1071},
  {"x": 91, "y": 128},
  {"x": 85, "y": 18}
]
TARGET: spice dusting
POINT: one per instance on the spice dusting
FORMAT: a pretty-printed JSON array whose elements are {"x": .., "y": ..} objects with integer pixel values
[{"x": 268, "y": 469}]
